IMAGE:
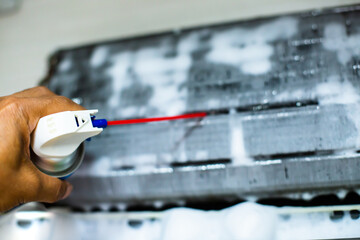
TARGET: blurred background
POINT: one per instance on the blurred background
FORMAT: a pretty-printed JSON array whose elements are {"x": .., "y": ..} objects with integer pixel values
[{"x": 31, "y": 30}]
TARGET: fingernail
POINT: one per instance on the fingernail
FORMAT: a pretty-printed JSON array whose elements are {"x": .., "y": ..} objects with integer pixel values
[{"x": 69, "y": 188}]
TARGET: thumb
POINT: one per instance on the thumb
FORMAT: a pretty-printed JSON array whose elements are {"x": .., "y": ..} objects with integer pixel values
[{"x": 53, "y": 189}]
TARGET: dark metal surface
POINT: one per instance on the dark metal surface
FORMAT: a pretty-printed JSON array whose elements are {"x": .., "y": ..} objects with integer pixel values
[
  {"x": 287, "y": 177},
  {"x": 275, "y": 89}
]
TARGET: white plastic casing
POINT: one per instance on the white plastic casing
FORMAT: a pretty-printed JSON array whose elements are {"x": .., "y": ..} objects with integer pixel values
[{"x": 58, "y": 135}]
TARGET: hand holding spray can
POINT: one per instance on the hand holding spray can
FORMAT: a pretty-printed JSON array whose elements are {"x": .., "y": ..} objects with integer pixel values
[{"x": 57, "y": 142}]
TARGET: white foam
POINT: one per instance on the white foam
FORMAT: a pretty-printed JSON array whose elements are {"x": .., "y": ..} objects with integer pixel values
[
  {"x": 121, "y": 230},
  {"x": 253, "y": 59},
  {"x": 119, "y": 75},
  {"x": 65, "y": 65},
  {"x": 316, "y": 225},
  {"x": 165, "y": 76},
  {"x": 256, "y": 67},
  {"x": 335, "y": 92},
  {"x": 336, "y": 39},
  {"x": 184, "y": 223},
  {"x": 250, "y": 50},
  {"x": 145, "y": 63},
  {"x": 242, "y": 221},
  {"x": 99, "y": 56},
  {"x": 150, "y": 67},
  {"x": 353, "y": 113},
  {"x": 238, "y": 152},
  {"x": 189, "y": 43}
]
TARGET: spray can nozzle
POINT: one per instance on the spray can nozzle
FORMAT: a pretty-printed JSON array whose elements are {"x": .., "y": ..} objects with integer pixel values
[{"x": 99, "y": 123}]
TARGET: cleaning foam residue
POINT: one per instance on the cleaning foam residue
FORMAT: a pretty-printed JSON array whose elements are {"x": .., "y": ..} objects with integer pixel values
[
  {"x": 242, "y": 221},
  {"x": 251, "y": 50},
  {"x": 150, "y": 67},
  {"x": 336, "y": 39},
  {"x": 99, "y": 56},
  {"x": 65, "y": 65},
  {"x": 119, "y": 73},
  {"x": 331, "y": 91},
  {"x": 237, "y": 144},
  {"x": 353, "y": 114},
  {"x": 336, "y": 92}
]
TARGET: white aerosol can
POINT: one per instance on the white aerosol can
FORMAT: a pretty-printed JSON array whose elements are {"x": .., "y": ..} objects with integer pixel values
[{"x": 57, "y": 142}]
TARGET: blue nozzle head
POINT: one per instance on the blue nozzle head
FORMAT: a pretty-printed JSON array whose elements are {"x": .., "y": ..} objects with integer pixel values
[{"x": 99, "y": 123}]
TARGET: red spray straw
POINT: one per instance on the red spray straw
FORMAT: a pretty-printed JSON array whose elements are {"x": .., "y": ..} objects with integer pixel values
[{"x": 157, "y": 119}]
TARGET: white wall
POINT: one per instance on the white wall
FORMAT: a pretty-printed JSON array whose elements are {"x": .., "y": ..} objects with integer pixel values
[{"x": 29, "y": 36}]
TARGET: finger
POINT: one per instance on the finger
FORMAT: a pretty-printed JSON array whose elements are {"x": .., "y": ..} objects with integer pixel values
[
  {"x": 39, "y": 91},
  {"x": 29, "y": 184},
  {"x": 49, "y": 105},
  {"x": 52, "y": 189},
  {"x": 36, "y": 108}
]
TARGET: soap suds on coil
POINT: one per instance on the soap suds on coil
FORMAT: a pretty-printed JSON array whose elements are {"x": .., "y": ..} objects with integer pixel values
[
  {"x": 99, "y": 56},
  {"x": 336, "y": 39},
  {"x": 251, "y": 50}
]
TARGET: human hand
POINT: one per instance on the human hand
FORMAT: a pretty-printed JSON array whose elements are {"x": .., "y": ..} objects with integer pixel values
[{"x": 20, "y": 180}]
